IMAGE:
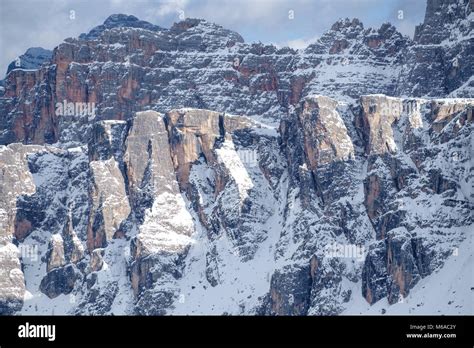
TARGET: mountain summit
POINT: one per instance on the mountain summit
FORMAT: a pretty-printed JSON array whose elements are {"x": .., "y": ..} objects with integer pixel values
[{"x": 119, "y": 21}]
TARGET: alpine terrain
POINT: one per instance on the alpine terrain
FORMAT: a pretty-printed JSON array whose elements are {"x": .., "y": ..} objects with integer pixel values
[{"x": 156, "y": 171}]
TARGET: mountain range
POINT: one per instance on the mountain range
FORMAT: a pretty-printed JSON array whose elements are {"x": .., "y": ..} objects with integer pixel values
[{"x": 153, "y": 171}]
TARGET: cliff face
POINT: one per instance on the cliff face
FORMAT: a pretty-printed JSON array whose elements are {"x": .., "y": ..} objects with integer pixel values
[
  {"x": 440, "y": 61},
  {"x": 127, "y": 65},
  {"x": 219, "y": 177}
]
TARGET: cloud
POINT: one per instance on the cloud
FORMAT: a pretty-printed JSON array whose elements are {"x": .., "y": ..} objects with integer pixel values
[
  {"x": 298, "y": 44},
  {"x": 173, "y": 8}
]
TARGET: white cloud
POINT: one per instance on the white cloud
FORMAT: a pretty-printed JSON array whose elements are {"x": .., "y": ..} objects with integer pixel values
[
  {"x": 298, "y": 44},
  {"x": 171, "y": 7}
]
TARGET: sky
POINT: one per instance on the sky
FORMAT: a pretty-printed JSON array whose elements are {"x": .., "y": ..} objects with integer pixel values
[{"x": 294, "y": 23}]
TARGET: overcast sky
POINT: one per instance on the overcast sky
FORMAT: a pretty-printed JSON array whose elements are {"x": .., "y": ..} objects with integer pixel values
[{"x": 46, "y": 23}]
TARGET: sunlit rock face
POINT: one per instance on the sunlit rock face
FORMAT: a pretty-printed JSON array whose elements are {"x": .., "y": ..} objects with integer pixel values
[
  {"x": 166, "y": 223},
  {"x": 16, "y": 180},
  {"x": 158, "y": 171},
  {"x": 12, "y": 284}
]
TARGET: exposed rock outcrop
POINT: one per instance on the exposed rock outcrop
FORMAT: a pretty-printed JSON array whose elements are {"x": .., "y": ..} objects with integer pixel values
[
  {"x": 12, "y": 281},
  {"x": 60, "y": 281}
]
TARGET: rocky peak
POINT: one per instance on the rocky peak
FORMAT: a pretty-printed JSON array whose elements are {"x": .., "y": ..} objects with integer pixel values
[
  {"x": 385, "y": 42},
  {"x": 338, "y": 38},
  {"x": 186, "y": 24},
  {"x": 349, "y": 36},
  {"x": 119, "y": 21},
  {"x": 33, "y": 58},
  {"x": 202, "y": 35},
  {"x": 347, "y": 26}
]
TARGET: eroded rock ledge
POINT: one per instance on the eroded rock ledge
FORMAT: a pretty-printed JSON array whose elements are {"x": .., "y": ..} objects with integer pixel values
[{"x": 161, "y": 180}]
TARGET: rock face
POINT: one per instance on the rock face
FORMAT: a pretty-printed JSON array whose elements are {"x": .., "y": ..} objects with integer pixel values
[
  {"x": 440, "y": 60},
  {"x": 204, "y": 175},
  {"x": 59, "y": 281},
  {"x": 110, "y": 204},
  {"x": 324, "y": 133},
  {"x": 55, "y": 253},
  {"x": 157, "y": 202},
  {"x": 394, "y": 266},
  {"x": 16, "y": 180},
  {"x": 12, "y": 284},
  {"x": 193, "y": 133},
  {"x": 440, "y": 18},
  {"x": 378, "y": 115}
]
